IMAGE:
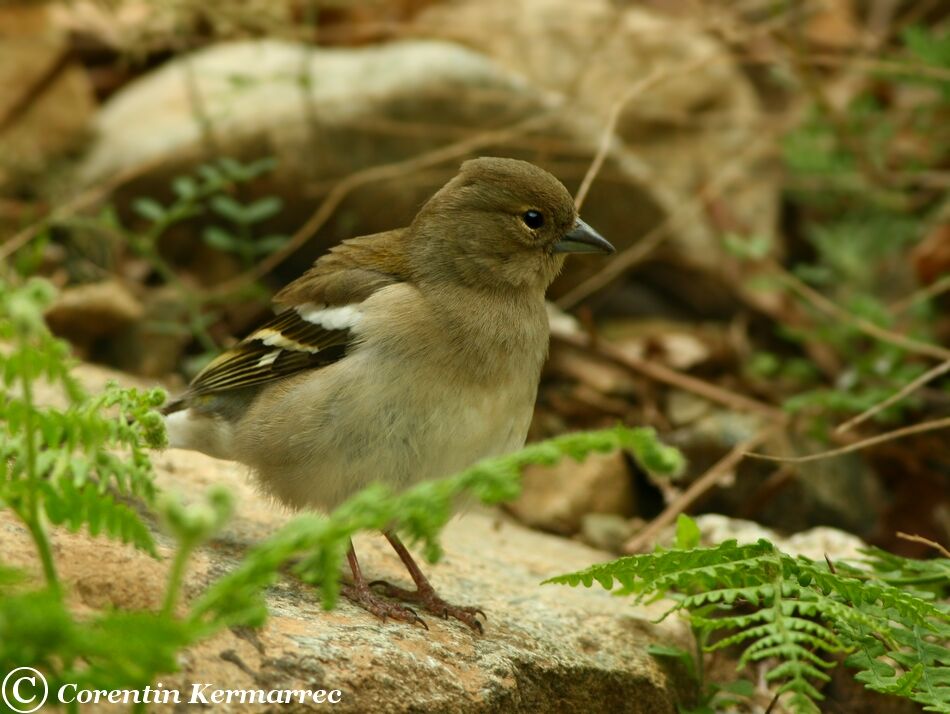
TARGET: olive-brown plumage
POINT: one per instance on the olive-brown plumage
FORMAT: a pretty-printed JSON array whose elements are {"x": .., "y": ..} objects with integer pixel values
[{"x": 400, "y": 356}]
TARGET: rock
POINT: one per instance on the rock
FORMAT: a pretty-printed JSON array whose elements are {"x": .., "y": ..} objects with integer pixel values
[
  {"x": 326, "y": 114},
  {"x": 815, "y": 543},
  {"x": 85, "y": 312},
  {"x": 154, "y": 346},
  {"x": 38, "y": 81},
  {"x": 841, "y": 492},
  {"x": 544, "y": 647},
  {"x": 683, "y": 129},
  {"x": 682, "y": 347},
  {"x": 556, "y": 498},
  {"x": 606, "y": 531}
]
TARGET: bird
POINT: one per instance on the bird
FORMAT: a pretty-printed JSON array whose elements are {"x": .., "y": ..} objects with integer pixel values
[{"x": 397, "y": 357}]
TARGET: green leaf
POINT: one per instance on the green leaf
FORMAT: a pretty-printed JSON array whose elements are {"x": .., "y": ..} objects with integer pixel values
[
  {"x": 684, "y": 657},
  {"x": 687, "y": 532},
  {"x": 228, "y": 208},
  {"x": 270, "y": 244},
  {"x": 150, "y": 209},
  {"x": 262, "y": 209},
  {"x": 220, "y": 239},
  {"x": 185, "y": 187},
  {"x": 754, "y": 247}
]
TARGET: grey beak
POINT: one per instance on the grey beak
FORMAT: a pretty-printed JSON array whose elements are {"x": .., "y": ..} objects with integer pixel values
[{"x": 583, "y": 239}]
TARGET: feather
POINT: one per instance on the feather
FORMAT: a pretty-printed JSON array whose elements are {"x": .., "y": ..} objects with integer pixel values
[
  {"x": 321, "y": 321},
  {"x": 284, "y": 345}
]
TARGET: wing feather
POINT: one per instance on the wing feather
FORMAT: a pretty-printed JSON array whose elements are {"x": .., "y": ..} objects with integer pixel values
[
  {"x": 286, "y": 344},
  {"x": 321, "y": 322}
]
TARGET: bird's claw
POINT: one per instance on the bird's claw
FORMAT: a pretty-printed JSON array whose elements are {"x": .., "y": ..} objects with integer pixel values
[
  {"x": 370, "y": 601},
  {"x": 430, "y": 601}
]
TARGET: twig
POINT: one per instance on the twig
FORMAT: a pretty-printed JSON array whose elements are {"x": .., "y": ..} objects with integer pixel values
[
  {"x": 911, "y": 69},
  {"x": 610, "y": 128},
  {"x": 926, "y": 541},
  {"x": 77, "y": 203},
  {"x": 826, "y": 306},
  {"x": 913, "y": 386},
  {"x": 936, "y": 288},
  {"x": 696, "y": 489},
  {"x": 628, "y": 258},
  {"x": 931, "y": 425},
  {"x": 664, "y": 374},
  {"x": 376, "y": 173}
]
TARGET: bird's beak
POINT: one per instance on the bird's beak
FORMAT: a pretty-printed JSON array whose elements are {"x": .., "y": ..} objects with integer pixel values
[{"x": 583, "y": 239}]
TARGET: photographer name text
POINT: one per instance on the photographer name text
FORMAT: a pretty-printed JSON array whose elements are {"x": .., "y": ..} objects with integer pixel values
[
  {"x": 25, "y": 690},
  {"x": 198, "y": 694}
]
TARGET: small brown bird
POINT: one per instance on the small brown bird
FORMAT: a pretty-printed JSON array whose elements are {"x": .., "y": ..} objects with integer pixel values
[{"x": 400, "y": 356}]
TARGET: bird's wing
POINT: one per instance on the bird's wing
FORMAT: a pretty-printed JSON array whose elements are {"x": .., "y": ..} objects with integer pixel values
[
  {"x": 321, "y": 320},
  {"x": 296, "y": 339}
]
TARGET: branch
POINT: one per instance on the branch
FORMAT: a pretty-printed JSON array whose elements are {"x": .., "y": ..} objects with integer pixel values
[{"x": 931, "y": 425}]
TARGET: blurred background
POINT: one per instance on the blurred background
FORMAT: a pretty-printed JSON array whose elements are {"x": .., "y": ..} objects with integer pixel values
[{"x": 775, "y": 176}]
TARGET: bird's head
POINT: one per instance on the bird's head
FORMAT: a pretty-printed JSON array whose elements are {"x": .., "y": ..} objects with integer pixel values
[{"x": 500, "y": 223}]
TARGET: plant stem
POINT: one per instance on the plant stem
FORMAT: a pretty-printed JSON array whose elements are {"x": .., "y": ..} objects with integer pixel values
[
  {"x": 147, "y": 250},
  {"x": 40, "y": 537},
  {"x": 699, "y": 637},
  {"x": 175, "y": 578},
  {"x": 33, "y": 518}
]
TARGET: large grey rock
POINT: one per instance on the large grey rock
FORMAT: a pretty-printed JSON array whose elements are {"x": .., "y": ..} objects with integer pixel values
[
  {"x": 546, "y": 648},
  {"x": 815, "y": 543},
  {"x": 328, "y": 113},
  {"x": 696, "y": 117}
]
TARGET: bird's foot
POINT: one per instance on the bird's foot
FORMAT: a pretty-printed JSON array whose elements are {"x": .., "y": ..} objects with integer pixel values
[
  {"x": 361, "y": 595},
  {"x": 430, "y": 601}
]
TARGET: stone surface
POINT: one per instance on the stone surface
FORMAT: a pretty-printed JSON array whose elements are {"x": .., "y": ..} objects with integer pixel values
[
  {"x": 84, "y": 312},
  {"x": 329, "y": 113},
  {"x": 544, "y": 648},
  {"x": 46, "y": 101},
  {"x": 694, "y": 119},
  {"x": 814, "y": 543},
  {"x": 556, "y": 498},
  {"x": 326, "y": 114}
]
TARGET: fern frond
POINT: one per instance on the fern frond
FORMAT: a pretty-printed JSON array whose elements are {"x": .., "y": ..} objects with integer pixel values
[
  {"x": 74, "y": 506},
  {"x": 801, "y": 615},
  {"x": 724, "y": 565}
]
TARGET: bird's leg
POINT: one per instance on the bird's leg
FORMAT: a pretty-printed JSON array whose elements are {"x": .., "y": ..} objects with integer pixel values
[
  {"x": 359, "y": 593},
  {"x": 424, "y": 594}
]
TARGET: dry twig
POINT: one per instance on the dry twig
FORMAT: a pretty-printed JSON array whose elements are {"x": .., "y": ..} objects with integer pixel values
[
  {"x": 664, "y": 374},
  {"x": 931, "y": 425},
  {"x": 381, "y": 172},
  {"x": 826, "y": 306},
  {"x": 635, "y": 254},
  {"x": 935, "y": 289},
  {"x": 925, "y": 541},
  {"x": 695, "y": 491},
  {"x": 910, "y": 388},
  {"x": 82, "y": 200}
]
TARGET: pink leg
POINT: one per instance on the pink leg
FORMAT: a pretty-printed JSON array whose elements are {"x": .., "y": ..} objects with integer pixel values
[
  {"x": 360, "y": 593},
  {"x": 424, "y": 594}
]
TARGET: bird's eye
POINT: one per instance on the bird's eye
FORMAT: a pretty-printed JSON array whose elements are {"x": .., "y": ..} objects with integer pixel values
[{"x": 532, "y": 219}]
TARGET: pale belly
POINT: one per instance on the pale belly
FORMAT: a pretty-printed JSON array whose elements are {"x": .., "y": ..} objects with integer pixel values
[{"x": 390, "y": 435}]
